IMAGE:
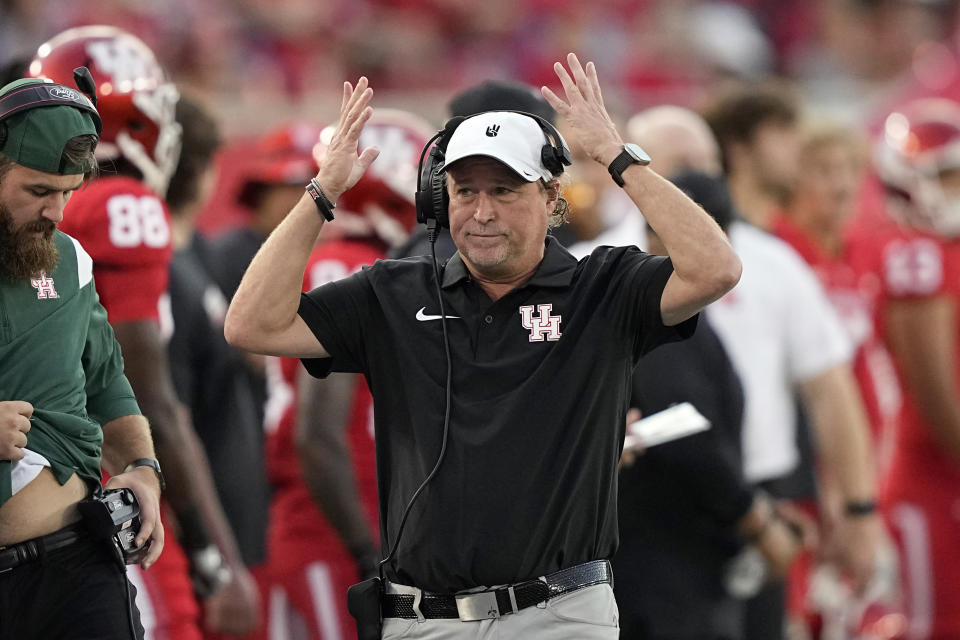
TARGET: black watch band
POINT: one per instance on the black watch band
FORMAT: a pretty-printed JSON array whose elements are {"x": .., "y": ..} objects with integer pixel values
[
  {"x": 153, "y": 464},
  {"x": 631, "y": 154},
  {"x": 324, "y": 206}
]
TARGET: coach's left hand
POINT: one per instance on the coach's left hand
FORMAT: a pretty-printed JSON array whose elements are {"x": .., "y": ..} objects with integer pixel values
[
  {"x": 584, "y": 111},
  {"x": 341, "y": 166}
]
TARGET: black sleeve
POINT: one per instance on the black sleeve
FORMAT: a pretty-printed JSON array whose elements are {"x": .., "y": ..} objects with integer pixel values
[
  {"x": 337, "y": 314},
  {"x": 637, "y": 282}
]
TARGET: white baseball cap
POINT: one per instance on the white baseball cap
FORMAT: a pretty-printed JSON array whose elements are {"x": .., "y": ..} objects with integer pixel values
[{"x": 514, "y": 139}]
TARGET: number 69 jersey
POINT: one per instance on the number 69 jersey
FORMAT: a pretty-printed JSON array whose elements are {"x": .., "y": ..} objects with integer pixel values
[{"x": 125, "y": 228}]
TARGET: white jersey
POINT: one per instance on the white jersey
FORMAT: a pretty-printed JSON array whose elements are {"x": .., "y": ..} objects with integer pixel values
[{"x": 779, "y": 330}]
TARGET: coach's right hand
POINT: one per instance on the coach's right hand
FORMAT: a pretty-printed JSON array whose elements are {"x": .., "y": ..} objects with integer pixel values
[
  {"x": 14, "y": 425},
  {"x": 341, "y": 166}
]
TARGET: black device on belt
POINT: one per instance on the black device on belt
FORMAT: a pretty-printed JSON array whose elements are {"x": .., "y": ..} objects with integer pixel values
[
  {"x": 114, "y": 514},
  {"x": 493, "y": 603}
]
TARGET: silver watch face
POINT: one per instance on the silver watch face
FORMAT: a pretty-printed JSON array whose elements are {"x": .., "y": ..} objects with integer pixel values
[{"x": 637, "y": 152}]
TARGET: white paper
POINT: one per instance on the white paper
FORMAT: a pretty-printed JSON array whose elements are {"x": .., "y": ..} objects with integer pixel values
[{"x": 678, "y": 421}]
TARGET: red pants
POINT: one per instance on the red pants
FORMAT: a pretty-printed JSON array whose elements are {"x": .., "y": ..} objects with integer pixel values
[
  {"x": 168, "y": 608},
  {"x": 926, "y": 527},
  {"x": 309, "y": 600}
]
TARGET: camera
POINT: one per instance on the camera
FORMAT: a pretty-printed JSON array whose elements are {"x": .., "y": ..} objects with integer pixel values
[{"x": 115, "y": 514}]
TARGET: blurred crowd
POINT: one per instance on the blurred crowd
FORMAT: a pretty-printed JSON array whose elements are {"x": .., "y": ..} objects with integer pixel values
[
  {"x": 830, "y": 124},
  {"x": 848, "y": 55}
]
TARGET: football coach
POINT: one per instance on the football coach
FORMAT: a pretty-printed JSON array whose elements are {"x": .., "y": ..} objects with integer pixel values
[{"x": 502, "y": 378}]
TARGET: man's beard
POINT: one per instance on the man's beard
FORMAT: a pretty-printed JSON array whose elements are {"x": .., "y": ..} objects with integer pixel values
[{"x": 23, "y": 254}]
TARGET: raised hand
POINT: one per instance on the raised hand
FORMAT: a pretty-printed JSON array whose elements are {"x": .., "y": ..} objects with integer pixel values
[
  {"x": 584, "y": 111},
  {"x": 341, "y": 166}
]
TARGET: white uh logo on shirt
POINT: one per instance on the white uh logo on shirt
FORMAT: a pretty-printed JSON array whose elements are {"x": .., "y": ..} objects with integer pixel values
[
  {"x": 44, "y": 287},
  {"x": 543, "y": 324}
]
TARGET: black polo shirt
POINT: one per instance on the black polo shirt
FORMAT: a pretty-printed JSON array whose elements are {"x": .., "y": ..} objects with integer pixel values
[{"x": 541, "y": 384}]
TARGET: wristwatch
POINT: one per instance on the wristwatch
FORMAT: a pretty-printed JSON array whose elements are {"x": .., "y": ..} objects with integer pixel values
[
  {"x": 153, "y": 464},
  {"x": 631, "y": 154}
]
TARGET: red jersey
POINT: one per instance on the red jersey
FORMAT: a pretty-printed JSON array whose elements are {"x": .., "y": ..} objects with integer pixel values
[
  {"x": 917, "y": 266},
  {"x": 125, "y": 228},
  {"x": 853, "y": 287},
  {"x": 295, "y": 516},
  {"x": 921, "y": 492}
]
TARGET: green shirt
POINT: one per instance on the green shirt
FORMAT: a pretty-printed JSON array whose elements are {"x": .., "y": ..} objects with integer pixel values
[{"x": 58, "y": 353}]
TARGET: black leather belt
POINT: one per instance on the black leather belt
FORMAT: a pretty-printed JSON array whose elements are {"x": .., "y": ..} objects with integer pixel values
[
  {"x": 494, "y": 603},
  {"x": 14, "y": 555}
]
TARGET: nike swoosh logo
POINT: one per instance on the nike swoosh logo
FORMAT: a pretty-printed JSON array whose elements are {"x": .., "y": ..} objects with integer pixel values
[{"x": 422, "y": 317}]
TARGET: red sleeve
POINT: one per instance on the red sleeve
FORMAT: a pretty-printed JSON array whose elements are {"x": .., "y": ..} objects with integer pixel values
[
  {"x": 126, "y": 230},
  {"x": 336, "y": 260}
]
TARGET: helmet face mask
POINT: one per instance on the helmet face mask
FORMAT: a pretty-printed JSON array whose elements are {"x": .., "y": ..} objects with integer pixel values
[
  {"x": 917, "y": 158},
  {"x": 136, "y": 101}
]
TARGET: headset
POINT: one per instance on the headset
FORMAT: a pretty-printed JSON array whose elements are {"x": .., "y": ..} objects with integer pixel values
[
  {"x": 48, "y": 94},
  {"x": 432, "y": 199}
]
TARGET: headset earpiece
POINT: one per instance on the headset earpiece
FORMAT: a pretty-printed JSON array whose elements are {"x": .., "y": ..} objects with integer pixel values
[
  {"x": 555, "y": 155},
  {"x": 440, "y": 199},
  {"x": 432, "y": 199}
]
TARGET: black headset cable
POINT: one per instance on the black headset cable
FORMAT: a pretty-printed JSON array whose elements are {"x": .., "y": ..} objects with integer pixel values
[{"x": 432, "y": 231}]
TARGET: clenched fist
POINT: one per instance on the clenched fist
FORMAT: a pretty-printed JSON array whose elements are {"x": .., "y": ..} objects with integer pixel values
[{"x": 14, "y": 424}]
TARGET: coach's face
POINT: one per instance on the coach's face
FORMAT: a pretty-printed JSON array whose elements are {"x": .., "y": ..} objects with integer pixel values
[
  {"x": 31, "y": 205},
  {"x": 498, "y": 220}
]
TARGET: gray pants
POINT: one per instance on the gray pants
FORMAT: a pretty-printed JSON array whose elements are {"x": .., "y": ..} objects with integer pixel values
[{"x": 586, "y": 614}]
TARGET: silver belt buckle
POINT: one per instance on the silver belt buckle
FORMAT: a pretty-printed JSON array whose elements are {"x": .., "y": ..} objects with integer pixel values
[{"x": 477, "y": 606}]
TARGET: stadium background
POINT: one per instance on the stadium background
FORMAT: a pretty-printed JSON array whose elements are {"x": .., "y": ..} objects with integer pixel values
[{"x": 259, "y": 63}]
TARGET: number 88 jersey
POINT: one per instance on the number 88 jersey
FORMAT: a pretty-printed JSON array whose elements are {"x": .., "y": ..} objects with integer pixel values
[{"x": 125, "y": 228}]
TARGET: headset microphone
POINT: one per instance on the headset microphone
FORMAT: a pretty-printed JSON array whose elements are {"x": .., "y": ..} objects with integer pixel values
[{"x": 84, "y": 81}]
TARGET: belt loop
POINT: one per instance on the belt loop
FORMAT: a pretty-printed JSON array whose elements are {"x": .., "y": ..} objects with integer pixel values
[
  {"x": 513, "y": 599},
  {"x": 417, "y": 597}
]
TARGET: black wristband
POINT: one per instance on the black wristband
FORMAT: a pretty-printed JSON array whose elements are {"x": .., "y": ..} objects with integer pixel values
[
  {"x": 153, "y": 464},
  {"x": 860, "y": 507},
  {"x": 324, "y": 206}
]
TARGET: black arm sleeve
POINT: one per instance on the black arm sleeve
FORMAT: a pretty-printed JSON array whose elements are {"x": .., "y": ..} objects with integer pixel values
[
  {"x": 636, "y": 288},
  {"x": 337, "y": 315}
]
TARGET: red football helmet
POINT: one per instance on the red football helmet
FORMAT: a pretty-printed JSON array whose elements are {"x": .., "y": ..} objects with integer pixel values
[
  {"x": 920, "y": 143},
  {"x": 383, "y": 199},
  {"x": 136, "y": 101},
  {"x": 282, "y": 156}
]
